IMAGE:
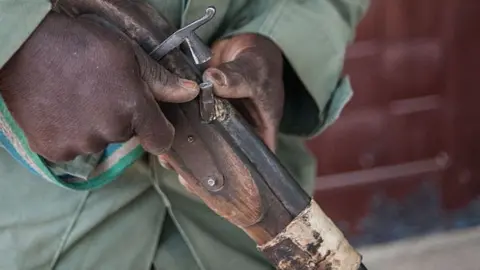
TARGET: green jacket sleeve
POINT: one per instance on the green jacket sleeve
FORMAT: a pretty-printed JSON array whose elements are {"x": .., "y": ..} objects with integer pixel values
[{"x": 313, "y": 35}]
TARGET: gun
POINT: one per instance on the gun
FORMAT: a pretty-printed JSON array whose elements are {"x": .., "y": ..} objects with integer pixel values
[{"x": 239, "y": 178}]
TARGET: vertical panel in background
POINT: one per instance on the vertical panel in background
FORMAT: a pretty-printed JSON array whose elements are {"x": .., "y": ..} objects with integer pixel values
[
  {"x": 390, "y": 167},
  {"x": 462, "y": 185}
]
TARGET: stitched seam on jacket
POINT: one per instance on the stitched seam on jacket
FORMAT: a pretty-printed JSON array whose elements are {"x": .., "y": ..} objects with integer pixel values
[
  {"x": 168, "y": 205},
  {"x": 69, "y": 230}
]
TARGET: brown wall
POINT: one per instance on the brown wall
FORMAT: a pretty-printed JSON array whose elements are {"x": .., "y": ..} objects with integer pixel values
[{"x": 406, "y": 150}]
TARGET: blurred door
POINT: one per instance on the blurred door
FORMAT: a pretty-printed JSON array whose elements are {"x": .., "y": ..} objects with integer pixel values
[{"x": 404, "y": 157}]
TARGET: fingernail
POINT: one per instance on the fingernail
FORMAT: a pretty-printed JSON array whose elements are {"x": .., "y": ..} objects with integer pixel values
[
  {"x": 189, "y": 85},
  {"x": 217, "y": 76}
]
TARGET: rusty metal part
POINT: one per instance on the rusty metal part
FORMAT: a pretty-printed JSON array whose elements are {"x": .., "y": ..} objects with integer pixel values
[
  {"x": 207, "y": 102},
  {"x": 198, "y": 50},
  {"x": 200, "y": 54},
  {"x": 312, "y": 242}
]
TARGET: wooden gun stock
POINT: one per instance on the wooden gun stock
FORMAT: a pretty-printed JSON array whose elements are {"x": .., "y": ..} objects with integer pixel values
[{"x": 238, "y": 177}]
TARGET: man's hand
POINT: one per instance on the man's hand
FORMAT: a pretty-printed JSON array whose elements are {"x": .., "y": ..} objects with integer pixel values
[
  {"x": 249, "y": 68},
  {"x": 76, "y": 85}
]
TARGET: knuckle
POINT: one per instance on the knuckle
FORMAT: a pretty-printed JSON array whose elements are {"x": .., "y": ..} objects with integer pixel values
[
  {"x": 157, "y": 144},
  {"x": 92, "y": 146},
  {"x": 51, "y": 150},
  {"x": 151, "y": 72},
  {"x": 62, "y": 150},
  {"x": 113, "y": 131},
  {"x": 109, "y": 133},
  {"x": 159, "y": 149},
  {"x": 60, "y": 155},
  {"x": 37, "y": 147},
  {"x": 161, "y": 75},
  {"x": 233, "y": 75}
]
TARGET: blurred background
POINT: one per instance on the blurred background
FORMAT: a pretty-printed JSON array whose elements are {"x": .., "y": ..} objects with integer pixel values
[{"x": 400, "y": 170}]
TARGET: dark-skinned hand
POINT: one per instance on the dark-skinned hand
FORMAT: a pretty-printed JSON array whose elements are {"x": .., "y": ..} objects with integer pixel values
[
  {"x": 248, "y": 68},
  {"x": 76, "y": 85}
]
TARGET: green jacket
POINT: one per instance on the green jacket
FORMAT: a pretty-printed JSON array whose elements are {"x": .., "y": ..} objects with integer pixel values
[{"x": 313, "y": 35}]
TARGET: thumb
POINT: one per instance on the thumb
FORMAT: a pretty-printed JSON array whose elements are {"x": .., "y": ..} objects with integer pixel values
[
  {"x": 164, "y": 85},
  {"x": 229, "y": 81},
  {"x": 232, "y": 82}
]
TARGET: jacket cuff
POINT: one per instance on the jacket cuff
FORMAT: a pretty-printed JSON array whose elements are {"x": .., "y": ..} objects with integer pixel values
[
  {"x": 313, "y": 36},
  {"x": 107, "y": 167}
]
